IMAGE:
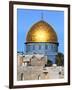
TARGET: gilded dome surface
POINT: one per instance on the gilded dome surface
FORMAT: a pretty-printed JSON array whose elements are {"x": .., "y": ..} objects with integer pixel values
[{"x": 41, "y": 32}]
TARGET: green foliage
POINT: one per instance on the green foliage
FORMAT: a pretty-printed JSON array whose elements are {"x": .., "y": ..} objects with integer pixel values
[
  {"x": 49, "y": 62},
  {"x": 60, "y": 59}
]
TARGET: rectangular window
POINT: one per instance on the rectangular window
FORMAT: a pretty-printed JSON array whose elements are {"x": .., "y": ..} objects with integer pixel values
[
  {"x": 46, "y": 46},
  {"x": 33, "y": 47},
  {"x": 39, "y": 47}
]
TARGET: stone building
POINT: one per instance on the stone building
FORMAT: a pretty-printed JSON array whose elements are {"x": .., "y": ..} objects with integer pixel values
[
  {"x": 32, "y": 67},
  {"x": 31, "y": 60}
]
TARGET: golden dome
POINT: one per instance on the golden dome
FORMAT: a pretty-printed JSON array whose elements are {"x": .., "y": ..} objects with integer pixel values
[{"x": 41, "y": 32}]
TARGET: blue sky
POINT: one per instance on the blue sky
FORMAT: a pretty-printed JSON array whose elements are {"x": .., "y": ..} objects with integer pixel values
[{"x": 26, "y": 18}]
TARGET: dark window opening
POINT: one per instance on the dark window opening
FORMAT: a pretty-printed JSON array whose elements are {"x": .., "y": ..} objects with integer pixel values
[
  {"x": 39, "y": 47},
  {"x": 46, "y": 46},
  {"x": 33, "y": 47},
  {"x": 21, "y": 76}
]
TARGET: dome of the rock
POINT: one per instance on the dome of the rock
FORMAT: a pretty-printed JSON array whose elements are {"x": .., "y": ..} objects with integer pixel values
[
  {"x": 41, "y": 32},
  {"x": 42, "y": 39}
]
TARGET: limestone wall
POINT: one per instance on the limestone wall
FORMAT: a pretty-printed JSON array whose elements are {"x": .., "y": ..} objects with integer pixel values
[
  {"x": 38, "y": 72},
  {"x": 37, "y": 69}
]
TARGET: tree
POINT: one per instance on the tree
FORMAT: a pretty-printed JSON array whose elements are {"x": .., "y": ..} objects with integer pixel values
[
  {"x": 49, "y": 62},
  {"x": 60, "y": 59}
]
